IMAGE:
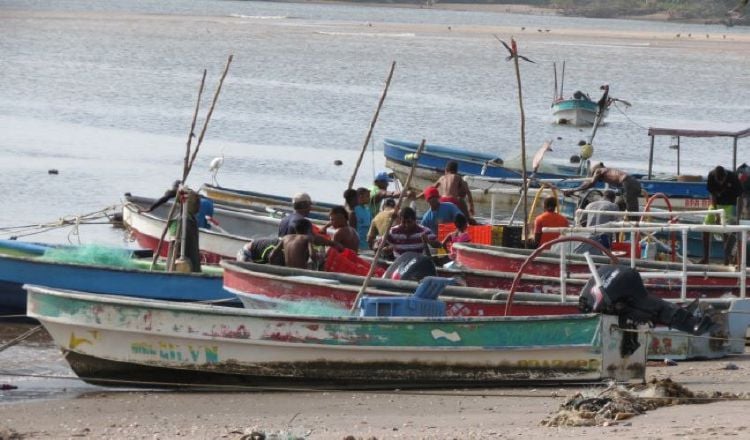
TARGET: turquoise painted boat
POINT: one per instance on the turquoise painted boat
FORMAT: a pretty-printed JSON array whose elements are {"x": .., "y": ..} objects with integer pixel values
[
  {"x": 112, "y": 340},
  {"x": 98, "y": 269}
]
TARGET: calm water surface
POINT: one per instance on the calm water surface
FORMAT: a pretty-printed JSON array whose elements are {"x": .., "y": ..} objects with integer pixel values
[{"x": 103, "y": 91}]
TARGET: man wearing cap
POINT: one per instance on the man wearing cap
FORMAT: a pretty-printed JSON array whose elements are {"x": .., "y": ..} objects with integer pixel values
[
  {"x": 302, "y": 205},
  {"x": 379, "y": 192},
  {"x": 440, "y": 212}
]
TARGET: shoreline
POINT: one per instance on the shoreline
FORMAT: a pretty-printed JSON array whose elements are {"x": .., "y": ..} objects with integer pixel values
[{"x": 497, "y": 413}]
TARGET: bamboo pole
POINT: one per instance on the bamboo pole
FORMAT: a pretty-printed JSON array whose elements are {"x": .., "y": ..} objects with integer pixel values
[
  {"x": 372, "y": 125},
  {"x": 191, "y": 134},
  {"x": 190, "y": 159},
  {"x": 208, "y": 116},
  {"x": 525, "y": 187},
  {"x": 388, "y": 227}
]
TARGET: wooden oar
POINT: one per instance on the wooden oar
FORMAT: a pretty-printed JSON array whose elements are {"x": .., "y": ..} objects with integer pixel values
[
  {"x": 388, "y": 228},
  {"x": 372, "y": 125}
]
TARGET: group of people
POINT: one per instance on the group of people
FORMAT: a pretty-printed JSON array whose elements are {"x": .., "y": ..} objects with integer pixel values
[{"x": 362, "y": 223}]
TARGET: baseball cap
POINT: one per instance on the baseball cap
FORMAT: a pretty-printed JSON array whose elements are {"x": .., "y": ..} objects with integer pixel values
[
  {"x": 301, "y": 197},
  {"x": 383, "y": 176},
  {"x": 431, "y": 192}
]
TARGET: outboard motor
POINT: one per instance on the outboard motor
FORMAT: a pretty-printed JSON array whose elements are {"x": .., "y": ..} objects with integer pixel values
[
  {"x": 411, "y": 266},
  {"x": 624, "y": 294}
]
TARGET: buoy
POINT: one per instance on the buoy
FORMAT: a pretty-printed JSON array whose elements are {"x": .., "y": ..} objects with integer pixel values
[
  {"x": 410, "y": 156},
  {"x": 337, "y": 162},
  {"x": 53, "y": 171},
  {"x": 587, "y": 150}
]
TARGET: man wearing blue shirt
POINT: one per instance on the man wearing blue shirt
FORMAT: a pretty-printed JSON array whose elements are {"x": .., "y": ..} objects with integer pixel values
[{"x": 440, "y": 212}]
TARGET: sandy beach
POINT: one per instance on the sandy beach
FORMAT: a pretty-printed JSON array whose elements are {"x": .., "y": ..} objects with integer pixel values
[{"x": 387, "y": 414}]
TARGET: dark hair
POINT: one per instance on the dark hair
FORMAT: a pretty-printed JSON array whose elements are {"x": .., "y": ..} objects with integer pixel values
[
  {"x": 389, "y": 203},
  {"x": 609, "y": 195},
  {"x": 350, "y": 196},
  {"x": 550, "y": 203},
  {"x": 451, "y": 166},
  {"x": 460, "y": 221},
  {"x": 408, "y": 213},
  {"x": 302, "y": 226},
  {"x": 340, "y": 210},
  {"x": 720, "y": 172}
]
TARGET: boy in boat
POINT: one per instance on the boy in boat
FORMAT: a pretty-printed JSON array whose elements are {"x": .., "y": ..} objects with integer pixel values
[
  {"x": 258, "y": 250},
  {"x": 550, "y": 219},
  {"x": 631, "y": 187},
  {"x": 343, "y": 233},
  {"x": 364, "y": 216},
  {"x": 297, "y": 248}
]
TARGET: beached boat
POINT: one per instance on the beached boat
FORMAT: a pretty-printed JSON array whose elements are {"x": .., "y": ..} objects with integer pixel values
[
  {"x": 432, "y": 161},
  {"x": 498, "y": 258},
  {"x": 236, "y": 228},
  {"x": 253, "y": 199},
  {"x": 97, "y": 269},
  {"x": 263, "y": 286},
  {"x": 125, "y": 341}
]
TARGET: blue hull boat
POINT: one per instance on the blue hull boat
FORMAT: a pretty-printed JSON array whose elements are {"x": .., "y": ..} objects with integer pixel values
[
  {"x": 576, "y": 112},
  {"x": 22, "y": 263},
  {"x": 435, "y": 157}
]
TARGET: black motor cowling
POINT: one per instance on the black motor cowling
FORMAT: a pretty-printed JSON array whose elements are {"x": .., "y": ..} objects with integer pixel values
[
  {"x": 623, "y": 294},
  {"x": 411, "y": 266}
]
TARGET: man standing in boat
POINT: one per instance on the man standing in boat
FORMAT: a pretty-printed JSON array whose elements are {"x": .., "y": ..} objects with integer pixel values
[
  {"x": 302, "y": 205},
  {"x": 379, "y": 192},
  {"x": 631, "y": 187},
  {"x": 455, "y": 190},
  {"x": 724, "y": 188}
]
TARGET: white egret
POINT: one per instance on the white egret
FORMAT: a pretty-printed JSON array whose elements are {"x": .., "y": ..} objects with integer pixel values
[{"x": 216, "y": 163}]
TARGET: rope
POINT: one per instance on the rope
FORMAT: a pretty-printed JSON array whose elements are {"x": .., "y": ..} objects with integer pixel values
[
  {"x": 628, "y": 117},
  {"x": 20, "y": 338},
  {"x": 72, "y": 220}
]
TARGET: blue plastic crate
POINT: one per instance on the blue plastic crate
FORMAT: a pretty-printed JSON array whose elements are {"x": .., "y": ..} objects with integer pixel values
[{"x": 401, "y": 306}]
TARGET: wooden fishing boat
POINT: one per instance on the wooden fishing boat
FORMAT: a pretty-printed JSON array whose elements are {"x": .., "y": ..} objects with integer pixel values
[
  {"x": 576, "y": 111},
  {"x": 125, "y": 341},
  {"x": 263, "y": 286},
  {"x": 258, "y": 200},
  {"x": 236, "y": 228},
  {"x": 116, "y": 274},
  {"x": 498, "y": 258}
]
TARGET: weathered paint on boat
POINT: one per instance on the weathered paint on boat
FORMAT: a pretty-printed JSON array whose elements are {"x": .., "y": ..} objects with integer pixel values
[
  {"x": 497, "y": 258},
  {"x": 140, "y": 340},
  {"x": 15, "y": 271},
  {"x": 261, "y": 285},
  {"x": 239, "y": 227}
]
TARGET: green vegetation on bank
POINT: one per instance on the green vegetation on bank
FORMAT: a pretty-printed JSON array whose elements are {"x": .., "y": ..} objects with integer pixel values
[{"x": 713, "y": 11}]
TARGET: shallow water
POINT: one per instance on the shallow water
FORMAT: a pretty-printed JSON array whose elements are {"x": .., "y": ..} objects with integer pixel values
[{"x": 103, "y": 91}]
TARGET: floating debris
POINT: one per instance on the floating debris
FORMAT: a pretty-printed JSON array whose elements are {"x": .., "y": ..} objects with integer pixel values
[
  {"x": 337, "y": 162},
  {"x": 621, "y": 402},
  {"x": 53, "y": 171}
]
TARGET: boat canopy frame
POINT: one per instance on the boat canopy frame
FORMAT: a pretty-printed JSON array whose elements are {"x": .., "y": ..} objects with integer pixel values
[{"x": 697, "y": 130}]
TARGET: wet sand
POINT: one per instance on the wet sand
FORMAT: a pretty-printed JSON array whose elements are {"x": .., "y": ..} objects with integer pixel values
[{"x": 477, "y": 413}]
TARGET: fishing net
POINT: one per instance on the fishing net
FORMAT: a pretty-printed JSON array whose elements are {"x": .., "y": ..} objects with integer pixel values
[{"x": 91, "y": 254}]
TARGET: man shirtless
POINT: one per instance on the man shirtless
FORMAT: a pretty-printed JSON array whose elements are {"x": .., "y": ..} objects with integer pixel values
[
  {"x": 631, "y": 187},
  {"x": 297, "y": 248},
  {"x": 344, "y": 234},
  {"x": 455, "y": 190}
]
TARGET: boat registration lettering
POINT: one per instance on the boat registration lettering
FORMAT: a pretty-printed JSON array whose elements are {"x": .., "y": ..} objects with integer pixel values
[
  {"x": 168, "y": 351},
  {"x": 586, "y": 364}
]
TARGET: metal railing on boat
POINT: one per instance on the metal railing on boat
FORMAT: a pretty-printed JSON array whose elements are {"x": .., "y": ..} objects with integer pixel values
[{"x": 682, "y": 229}]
